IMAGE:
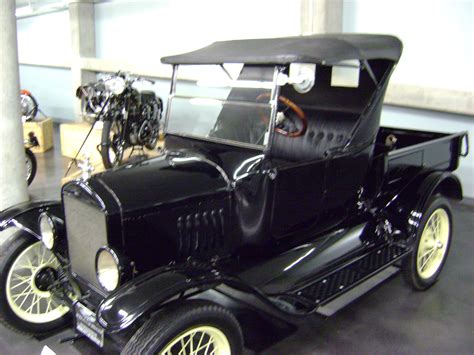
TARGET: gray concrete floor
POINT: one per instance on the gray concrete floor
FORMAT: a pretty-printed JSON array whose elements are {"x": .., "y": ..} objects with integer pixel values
[{"x": 392, "y": 319}]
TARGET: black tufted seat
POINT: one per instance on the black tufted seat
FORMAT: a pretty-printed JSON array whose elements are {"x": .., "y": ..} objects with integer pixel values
[{"x": 326, "y": 130}]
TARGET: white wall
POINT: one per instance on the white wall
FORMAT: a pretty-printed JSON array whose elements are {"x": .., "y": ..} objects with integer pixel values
[
  {"x": 144, "y": 31},
  {"x": 438, "y": 39},
  {"x": 148, "y": 30},
  {"x": 437, "y": 36},
  {"x": 47, "y": 38},
  {"x": 52, "y": 89}
]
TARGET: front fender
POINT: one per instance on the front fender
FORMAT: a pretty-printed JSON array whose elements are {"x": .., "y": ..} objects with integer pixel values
[
  {"x": 406, "y": 207},
  {"x": 25, "y": 215},
  {"x": 148, "y": 291}
]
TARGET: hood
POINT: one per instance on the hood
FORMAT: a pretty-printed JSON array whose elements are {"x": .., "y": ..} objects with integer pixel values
[{"x": 162, "y": 180}]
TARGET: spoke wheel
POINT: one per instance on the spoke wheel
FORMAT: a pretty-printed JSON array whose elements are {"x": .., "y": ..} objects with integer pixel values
[
  {"x": 112, "y": 145},
  {"x": 27, "y": 270},
  {"x": 433, "y": 243},
  {"x": 30, "y": 162},
  {"x": 28, "y": 106},
  {"x": 27, "y": 293},
  {"x": 422, "y": 267},
  {"x": 202, "y": 340},
  {"x": 188, "y": 328}
]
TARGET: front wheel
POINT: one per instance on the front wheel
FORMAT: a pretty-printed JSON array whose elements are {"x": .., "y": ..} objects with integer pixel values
[
  {"x": 28, "y": 106},
  {"x": 195, "y": 327},
  {"x": 27, "y": 269},
  {"x": 112, "y": 146},
  {"x": 423, "y": 266}
]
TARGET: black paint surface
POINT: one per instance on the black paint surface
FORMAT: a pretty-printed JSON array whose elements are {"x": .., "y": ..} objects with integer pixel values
[{"x": 391, "y": 319}]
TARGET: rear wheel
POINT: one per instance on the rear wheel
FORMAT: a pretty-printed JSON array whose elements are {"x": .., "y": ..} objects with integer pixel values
[
  {"x": 421, "y": 269},
  {"x": 27, "y": 269},
  {"x": 195, "y": 327},
  {"x": 30, "y": 161}
]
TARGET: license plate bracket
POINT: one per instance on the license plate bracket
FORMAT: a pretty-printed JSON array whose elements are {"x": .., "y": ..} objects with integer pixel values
[{"x": 87, "y": 324}]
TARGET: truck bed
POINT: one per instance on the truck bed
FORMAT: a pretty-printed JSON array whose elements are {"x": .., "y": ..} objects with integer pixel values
[{"x": 439, "y": 151}]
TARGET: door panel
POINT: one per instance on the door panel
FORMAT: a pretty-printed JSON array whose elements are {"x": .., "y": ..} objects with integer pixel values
[{"x": 298, "y": 197}]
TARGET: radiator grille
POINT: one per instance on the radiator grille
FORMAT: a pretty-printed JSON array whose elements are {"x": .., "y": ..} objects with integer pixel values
[
  {"x": 86, "y": 233},
  {"x": 201, "y": 233}
]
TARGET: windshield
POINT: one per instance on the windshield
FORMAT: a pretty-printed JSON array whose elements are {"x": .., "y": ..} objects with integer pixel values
[{"x": 227, "y": 103}]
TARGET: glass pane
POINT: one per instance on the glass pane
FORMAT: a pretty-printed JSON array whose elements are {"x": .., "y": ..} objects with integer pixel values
[
  {"x": 228, "y": 82},
  {"x": 220, "y": 120},
  {"x": 229, "y": 103}
]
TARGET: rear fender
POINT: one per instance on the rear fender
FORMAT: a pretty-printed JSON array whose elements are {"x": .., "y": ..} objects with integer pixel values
[
  {"x": 406, "y": 208},
  {"x": 25, "y": 215}
]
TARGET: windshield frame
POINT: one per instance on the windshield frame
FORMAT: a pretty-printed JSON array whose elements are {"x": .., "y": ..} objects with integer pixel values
[{"x": 273, "y": 102}]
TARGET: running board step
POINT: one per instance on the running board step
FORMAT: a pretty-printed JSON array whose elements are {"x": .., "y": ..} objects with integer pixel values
[
  {"x": 340, "y": 302},
  {"x": 343, "y": 280}
]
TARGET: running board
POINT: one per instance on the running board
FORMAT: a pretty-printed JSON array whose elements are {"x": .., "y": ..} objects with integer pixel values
[
  {"x": 340, "y": 302},
  {"x": 336, "y": 289}
]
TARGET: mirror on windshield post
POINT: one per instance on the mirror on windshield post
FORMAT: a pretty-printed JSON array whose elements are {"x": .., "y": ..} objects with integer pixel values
[{"x": 302, "y": 76}]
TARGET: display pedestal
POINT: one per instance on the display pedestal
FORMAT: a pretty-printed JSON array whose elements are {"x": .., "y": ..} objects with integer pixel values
[
  {"x": 72, "y": 136},
  {"x": 43, "y": 130}
]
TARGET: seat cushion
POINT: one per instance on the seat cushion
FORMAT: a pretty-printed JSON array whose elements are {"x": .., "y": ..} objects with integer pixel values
[{"x": 325, "y": 131}]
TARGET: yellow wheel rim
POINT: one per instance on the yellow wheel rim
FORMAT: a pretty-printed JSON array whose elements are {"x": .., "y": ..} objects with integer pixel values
[
  {"x": 433, "y": 244},
  {"x": 202, "y": 340},
  {"x": 23, "y": 296}
]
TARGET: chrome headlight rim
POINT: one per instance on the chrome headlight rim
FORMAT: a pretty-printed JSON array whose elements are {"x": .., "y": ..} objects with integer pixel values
[
  {"x": 48, "y": 230},
  {"x": 116, "y": 260},
  {"x": 115, "y": 85}
]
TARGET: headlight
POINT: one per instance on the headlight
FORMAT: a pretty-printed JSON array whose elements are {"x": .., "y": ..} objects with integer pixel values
[
  {"x": 115, "y": 85},
  {"x": 107, "y": 268},
  {"x": 47, "y": 230}
]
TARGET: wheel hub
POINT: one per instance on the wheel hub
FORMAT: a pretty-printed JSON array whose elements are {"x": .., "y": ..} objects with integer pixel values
[{"x": 45, "y": 278}]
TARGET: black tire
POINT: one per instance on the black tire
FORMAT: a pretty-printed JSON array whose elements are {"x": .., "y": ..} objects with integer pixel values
[
  {"x": 31, "y": 166},
  {"x": 410, "y": 270},
  {"x": 155, "y": 107},
  {"x": 10, "y": 250},
  {"x": 163, "y": 327},
  {"x": 110, "y": 142},
  {"x": 29, "y": 107}
]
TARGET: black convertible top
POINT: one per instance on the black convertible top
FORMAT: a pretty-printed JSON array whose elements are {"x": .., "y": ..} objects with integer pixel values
[{"x": 319, "y": 49}]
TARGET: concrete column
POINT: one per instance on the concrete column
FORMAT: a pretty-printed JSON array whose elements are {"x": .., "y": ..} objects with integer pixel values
[
  {"x": 321, "y": 16},
  {"x": 81, "y": 15},
  {"x": 13, "y": 187}
]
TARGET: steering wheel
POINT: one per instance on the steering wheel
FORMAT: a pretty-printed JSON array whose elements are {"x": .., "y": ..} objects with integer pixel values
[{"x": 281, "y": 127}]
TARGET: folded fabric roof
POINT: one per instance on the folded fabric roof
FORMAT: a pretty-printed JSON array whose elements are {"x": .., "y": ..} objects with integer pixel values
[{"x": 319, "y": 49}]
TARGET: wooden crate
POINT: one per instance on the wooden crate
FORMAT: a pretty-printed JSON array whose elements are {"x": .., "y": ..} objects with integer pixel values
[
  {"x": 43, "y": 130},
  {"x": 73, "y": 134}
]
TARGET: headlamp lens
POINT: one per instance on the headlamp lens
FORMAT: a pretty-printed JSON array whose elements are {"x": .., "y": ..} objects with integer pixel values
[{"x": 107, "y": 268}]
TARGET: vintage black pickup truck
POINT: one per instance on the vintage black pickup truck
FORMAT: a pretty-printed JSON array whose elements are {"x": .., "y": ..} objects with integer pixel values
[{"x": 278, "y": 196}]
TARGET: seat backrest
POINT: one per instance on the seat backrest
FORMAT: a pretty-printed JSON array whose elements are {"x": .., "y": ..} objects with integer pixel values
[{"x": 326, "y": 131}]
